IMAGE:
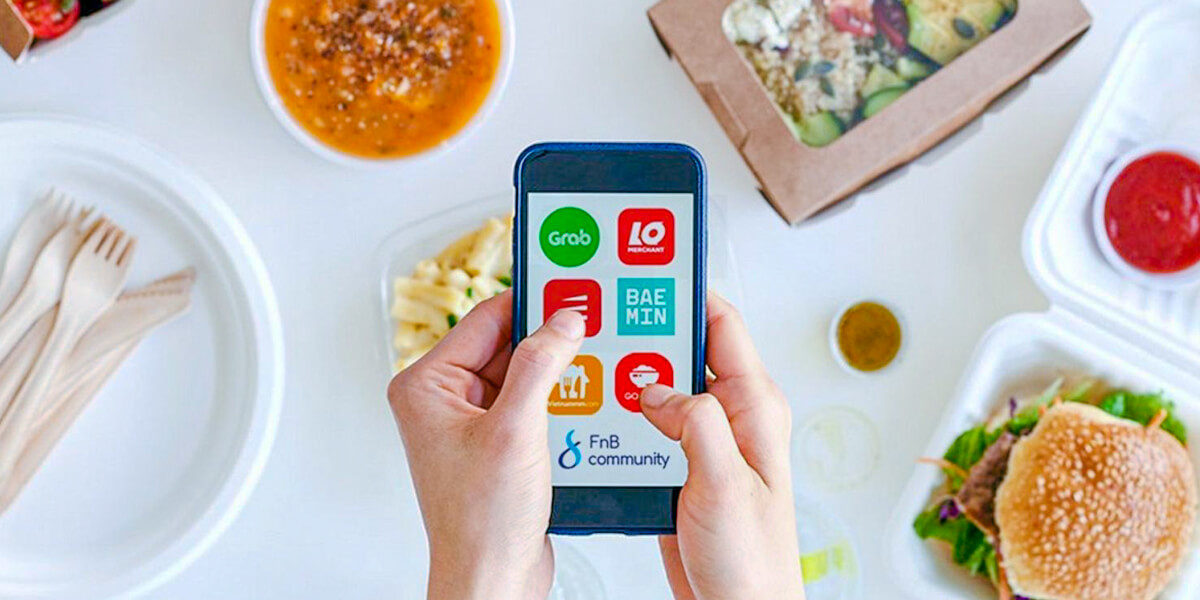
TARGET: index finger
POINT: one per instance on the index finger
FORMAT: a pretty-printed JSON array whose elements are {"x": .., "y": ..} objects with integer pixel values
[{"x": 478, "y": 337}]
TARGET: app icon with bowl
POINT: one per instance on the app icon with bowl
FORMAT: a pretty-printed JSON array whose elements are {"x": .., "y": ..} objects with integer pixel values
[{"x": 635, "y": 372}]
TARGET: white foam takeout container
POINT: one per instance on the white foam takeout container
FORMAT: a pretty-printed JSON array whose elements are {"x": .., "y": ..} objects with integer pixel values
[{"x": 1100, "y": 323}]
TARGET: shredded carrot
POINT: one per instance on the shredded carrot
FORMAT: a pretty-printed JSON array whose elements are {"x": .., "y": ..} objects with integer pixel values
[
  {"x": 1004, "y": 588},
  {"x": 1041, "y": 411},
  {"x": 1158, "y": 419},
  {"x": 945, "y": 464}
]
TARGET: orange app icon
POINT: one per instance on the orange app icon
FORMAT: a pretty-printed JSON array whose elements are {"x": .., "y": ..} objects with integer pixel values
[{"x": 580, "y": 389}]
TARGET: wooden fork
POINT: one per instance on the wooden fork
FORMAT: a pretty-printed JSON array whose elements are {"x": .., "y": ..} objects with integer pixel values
[
  {"x": 93, "y": 282},
  {"x": 44, "y": 285},
  {"x": 42, "y": 221}
]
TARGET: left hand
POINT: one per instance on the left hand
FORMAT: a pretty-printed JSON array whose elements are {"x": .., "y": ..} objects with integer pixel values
[{"x": 473, "y": 416}]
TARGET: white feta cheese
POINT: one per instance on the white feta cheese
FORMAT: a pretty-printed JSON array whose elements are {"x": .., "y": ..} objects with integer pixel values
[{"x": 753, "y": 23}]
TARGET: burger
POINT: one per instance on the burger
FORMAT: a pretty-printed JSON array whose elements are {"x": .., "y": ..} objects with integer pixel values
[{"x": 1070, "y": 496}]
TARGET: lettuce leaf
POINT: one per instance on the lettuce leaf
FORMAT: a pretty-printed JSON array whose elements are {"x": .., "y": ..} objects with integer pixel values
[
  {"x": 969, "y": 546},
  {"x": 1142, "y": 408}
]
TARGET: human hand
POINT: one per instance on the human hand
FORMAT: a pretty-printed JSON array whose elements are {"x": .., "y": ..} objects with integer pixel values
[
  {"x": 472, "y": 414},
  {"x": 736, "y": 519}
]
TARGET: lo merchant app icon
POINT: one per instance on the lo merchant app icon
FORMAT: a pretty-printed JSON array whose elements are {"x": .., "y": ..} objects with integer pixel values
[
  {"x": 635, "y": 372},
  {"x": 579, "y": 295},
  {"x": 569, "y": 237},
  {"x": 580, "y": 389},
  {"x": 647, "y": 236},
  {"x": 646, "y": 306}
]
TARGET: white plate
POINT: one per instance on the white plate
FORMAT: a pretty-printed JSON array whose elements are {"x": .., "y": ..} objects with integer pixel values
[{"x": 164, "y": 458}]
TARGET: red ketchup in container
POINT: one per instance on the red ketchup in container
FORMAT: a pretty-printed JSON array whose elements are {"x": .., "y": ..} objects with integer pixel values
[{"x": 1152, "y": 213}]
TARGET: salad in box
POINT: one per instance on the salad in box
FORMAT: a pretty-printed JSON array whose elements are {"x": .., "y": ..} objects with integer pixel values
[
  {"x": 830, "y": 64},
  {"x": 821, "y": 97},
  {"x": 1064, "y": 467}
]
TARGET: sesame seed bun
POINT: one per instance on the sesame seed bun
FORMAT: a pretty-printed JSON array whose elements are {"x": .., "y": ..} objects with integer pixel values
[{"x": 1095, "y": 507}]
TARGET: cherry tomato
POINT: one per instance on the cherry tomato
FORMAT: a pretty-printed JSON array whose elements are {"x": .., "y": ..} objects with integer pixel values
[
  {"x": 892, "y": 20},
  {"x": 852, "y": 16},
  {"x": 49, "y": 18}
]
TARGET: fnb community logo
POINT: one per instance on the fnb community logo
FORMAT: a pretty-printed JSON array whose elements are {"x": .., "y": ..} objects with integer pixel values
[{"x": 571, "y": 457}]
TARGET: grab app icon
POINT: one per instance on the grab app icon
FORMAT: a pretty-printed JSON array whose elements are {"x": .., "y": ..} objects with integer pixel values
[
  {"x": 635, "y": 372},
  {"x": 647, "y": 236},
  {"x": 569, "y": 237},
  {"x": 579, "y": 295},
  {"x": 580, "y": 389}
]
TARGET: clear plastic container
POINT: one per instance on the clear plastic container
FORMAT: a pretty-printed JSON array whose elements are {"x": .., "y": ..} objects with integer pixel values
[
  {"x": 402, "y": 250},
  {"x": 1101, "y": 323},
  {"x": 574, "y": 576},
  {"x": 828, "y": 554}
]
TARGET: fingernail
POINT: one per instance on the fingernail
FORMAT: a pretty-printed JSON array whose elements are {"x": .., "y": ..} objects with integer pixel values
[
  {"x": 655, "y": 396},
  {"x": 568, "y": 323}
]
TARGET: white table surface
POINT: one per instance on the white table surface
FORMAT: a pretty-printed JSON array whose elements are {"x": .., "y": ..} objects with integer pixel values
[{"x": 334, "y": 514}]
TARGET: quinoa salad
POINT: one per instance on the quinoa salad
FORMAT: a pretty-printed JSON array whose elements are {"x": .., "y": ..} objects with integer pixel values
[{"x": 829, "y": 64}]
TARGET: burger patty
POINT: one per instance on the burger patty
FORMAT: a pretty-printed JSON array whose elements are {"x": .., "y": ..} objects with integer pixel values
[{"x": 977, "y": 497}]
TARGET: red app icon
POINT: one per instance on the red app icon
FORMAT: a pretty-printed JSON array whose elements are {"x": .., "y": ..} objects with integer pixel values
[
  {"x": 646, "y": 235},
  {"x": 579, "y": 295},
  {"x": 635, "y": 372}
]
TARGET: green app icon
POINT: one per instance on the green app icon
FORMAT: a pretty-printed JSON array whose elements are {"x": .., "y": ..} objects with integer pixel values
[{"x": 569, "y": 237}]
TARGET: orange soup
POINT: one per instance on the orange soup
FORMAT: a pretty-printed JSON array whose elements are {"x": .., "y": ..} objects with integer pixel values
[{"x": 383, "y": 78}]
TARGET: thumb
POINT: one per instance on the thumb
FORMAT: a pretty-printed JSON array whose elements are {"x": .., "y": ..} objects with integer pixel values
[
  {"x": 538, "y": 362},
  {"x": 702, "y": 428}
]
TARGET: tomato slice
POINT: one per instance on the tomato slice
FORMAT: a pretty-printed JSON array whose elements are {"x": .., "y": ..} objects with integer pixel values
[
  {"x": 49, "y": 18},
  {"x": 845, "y": 18}
]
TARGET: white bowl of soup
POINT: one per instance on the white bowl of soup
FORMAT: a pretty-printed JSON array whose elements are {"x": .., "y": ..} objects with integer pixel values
[{"x": 376, "y": 82}]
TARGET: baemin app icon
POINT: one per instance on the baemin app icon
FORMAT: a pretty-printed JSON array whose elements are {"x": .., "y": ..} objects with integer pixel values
[
  {"x": 635, "y": 372},
  {"x": 645, "y": 306},
  {"x": 647, "y": 236},
  {"x": 579, "y": 295},
  {"x": 580, "y": 389}
]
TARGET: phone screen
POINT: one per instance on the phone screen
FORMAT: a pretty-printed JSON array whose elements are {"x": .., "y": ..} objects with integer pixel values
[{"x": 624, "y": 261}]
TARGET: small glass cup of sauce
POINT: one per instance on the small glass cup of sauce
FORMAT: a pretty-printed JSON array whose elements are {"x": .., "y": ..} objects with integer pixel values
[
  {"x": 1146, "y": 215},
  {"x": 866, "y": 337}
]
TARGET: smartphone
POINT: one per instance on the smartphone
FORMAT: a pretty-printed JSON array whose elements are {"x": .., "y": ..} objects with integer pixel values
[{"x": 616, "y": 232}]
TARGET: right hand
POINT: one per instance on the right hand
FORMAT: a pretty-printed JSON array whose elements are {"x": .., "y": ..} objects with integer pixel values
[{"x": 736, "y": 528}]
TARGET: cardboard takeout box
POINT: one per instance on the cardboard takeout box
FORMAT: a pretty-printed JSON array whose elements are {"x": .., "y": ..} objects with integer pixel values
[{"x": 800, "y": 180}]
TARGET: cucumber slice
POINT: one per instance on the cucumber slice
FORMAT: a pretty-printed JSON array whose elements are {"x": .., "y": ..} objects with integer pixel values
[
  {"x": 931, "y": 31},
  {"x": 881, "y": 99},
  {"x": 984, "y": 14},
  {"x": 944, "y": 29},
  {"x": 819, "y": 129},
  {"x": 880, "y": 78},
  {"x": 912, "y": 69},
  {"x": 791, "y": 123}
]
